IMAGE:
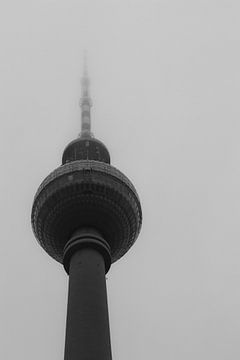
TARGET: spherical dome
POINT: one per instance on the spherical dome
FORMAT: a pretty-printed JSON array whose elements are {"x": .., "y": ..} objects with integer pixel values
[
  {"x": 86, "y": 193},
  {"x": 86, "y": 148}
]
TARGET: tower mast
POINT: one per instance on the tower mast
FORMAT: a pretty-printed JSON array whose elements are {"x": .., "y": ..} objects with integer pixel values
[{"x": 85, "y": 102}]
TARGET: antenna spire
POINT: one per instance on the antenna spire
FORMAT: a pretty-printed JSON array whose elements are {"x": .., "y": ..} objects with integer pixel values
[{"x": 85, "y": 102}]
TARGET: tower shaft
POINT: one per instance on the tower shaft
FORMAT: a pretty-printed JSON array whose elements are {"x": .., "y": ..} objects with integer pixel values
[{"x": 87, "y": 330}]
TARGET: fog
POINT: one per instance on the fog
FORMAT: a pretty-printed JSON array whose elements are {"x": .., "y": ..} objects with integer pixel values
[{"x": 165, "y": 86}]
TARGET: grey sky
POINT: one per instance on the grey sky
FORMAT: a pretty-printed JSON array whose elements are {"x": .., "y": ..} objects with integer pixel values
[{"x": 165, "y": 83}]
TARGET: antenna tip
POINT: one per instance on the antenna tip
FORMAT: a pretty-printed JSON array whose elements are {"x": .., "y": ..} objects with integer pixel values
[{"x": 85, "y": 62}]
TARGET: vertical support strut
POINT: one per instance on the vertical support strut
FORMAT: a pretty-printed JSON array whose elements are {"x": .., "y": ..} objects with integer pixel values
[{"x": 87, "y": 328}]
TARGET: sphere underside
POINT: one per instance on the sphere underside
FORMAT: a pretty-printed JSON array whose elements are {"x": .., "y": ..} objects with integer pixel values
[{"x": 81, "y": 194}]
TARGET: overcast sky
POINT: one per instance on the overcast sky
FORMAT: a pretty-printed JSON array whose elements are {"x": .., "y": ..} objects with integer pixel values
[{"x": 165, "y": 84}]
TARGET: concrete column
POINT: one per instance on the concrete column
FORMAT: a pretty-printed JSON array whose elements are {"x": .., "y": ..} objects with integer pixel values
[{"x": 87, "y": 329}]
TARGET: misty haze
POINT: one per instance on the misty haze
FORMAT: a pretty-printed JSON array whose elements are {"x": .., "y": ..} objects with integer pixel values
[{"x": 165, "y": 86}]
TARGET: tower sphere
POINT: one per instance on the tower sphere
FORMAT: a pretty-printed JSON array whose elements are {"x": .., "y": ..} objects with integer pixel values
[{"x": 86, "y": 193}]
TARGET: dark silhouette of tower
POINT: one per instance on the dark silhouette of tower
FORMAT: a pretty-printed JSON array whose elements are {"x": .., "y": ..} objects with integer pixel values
[{"x": 86, "y": 215}]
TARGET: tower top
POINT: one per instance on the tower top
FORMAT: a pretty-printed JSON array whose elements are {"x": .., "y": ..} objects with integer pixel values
[
  {"x": 85, "y": 102},
  {"x": 86, "y": 192},
  {"x": 86, "y": 146}
]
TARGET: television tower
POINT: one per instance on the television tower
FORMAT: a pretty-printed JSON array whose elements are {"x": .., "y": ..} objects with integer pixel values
[{"x": 86, "y": 215}]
